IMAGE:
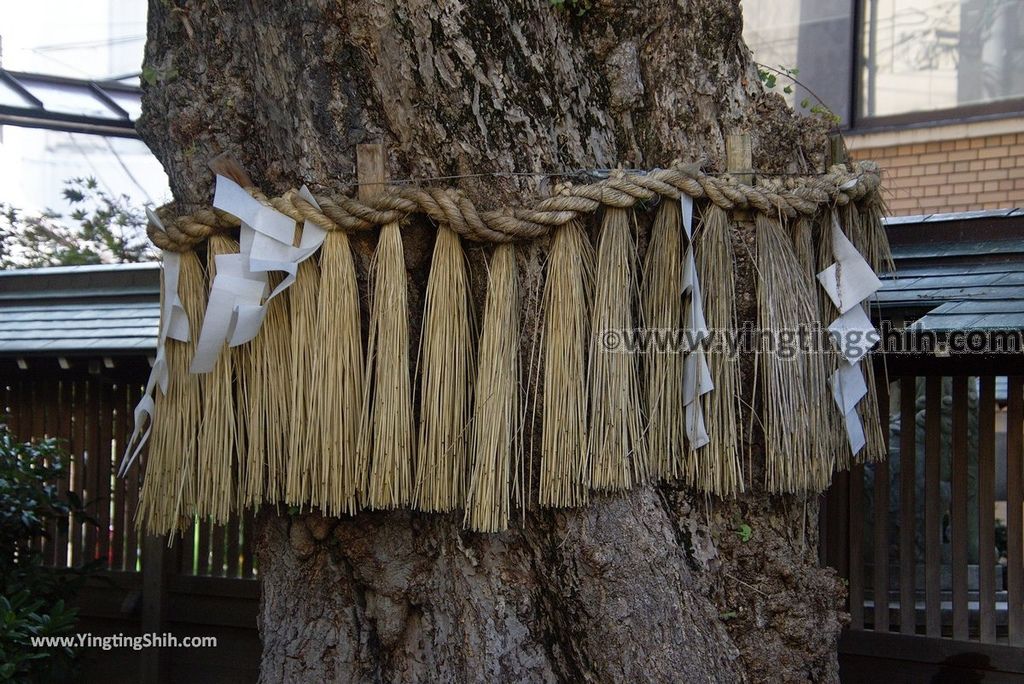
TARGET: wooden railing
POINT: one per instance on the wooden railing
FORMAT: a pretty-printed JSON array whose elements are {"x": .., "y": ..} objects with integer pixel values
[
  {"x": 91, "y": 413},
  {"x": 203, "y": 584},
  {"x": 931, "y": 541}
]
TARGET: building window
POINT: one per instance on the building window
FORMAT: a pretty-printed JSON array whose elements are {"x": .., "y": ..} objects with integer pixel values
[
  {"x": 895, "y": 61},
  {"x": 924, "y": 55}
]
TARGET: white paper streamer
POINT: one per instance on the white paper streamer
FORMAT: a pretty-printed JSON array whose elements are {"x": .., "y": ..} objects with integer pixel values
[
  {"x": 854, "y": 334},
  {"x": 696, "y": 373},
  {"x": 239, "y": 294},
  {"x": 850, "y": 280},
  {"x": 848, "y": 387},
  {"x": 848, "y": 283},
  {"x": 173, "y": 325},
  {"x": 855, "y": 431}
]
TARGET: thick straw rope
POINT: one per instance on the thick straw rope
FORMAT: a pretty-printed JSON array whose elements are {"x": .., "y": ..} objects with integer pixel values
[{"x": 796, "y": 196}]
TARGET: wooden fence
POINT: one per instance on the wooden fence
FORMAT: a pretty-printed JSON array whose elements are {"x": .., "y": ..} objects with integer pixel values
[
  {"x": 203, "y": 584},
  {"x": 932, "y": 540}
]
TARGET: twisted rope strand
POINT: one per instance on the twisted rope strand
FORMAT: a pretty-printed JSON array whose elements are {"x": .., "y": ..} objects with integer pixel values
[{"x": 790, "y": 197}]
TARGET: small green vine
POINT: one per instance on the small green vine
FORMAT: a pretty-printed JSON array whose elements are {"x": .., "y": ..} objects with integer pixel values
[{"x": 769, "y": 77}]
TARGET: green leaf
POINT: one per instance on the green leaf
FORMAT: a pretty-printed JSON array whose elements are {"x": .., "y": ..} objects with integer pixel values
[{"x": 745, "y": 532}]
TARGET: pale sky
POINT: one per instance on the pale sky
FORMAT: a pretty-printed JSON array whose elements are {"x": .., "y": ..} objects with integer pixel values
[
  {"x": 93, "y": 39},
  {"x": 80, "y": 38}
]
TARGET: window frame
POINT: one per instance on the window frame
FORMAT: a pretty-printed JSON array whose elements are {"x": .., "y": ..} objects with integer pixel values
[{"x": 857, "y": 123}]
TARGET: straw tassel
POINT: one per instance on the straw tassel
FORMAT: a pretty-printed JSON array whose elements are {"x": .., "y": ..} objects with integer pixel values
[
  {"x": 663, "y": 315},
  {"x": 268, "y": 408},
  {"x": 876, "y": 249},
  {"x": 446, "y": 355},
  {"x": 832, "y": 444},
  {"x": 791, "y": 404},
  {"x": 565, "y": 456},
  {"x": 496, "y": 452},
  {"x": 337, "y": 379},
  {"x": 168, "y": 494},
  {"x": 716, "y": 467},
  {"x": 218, "y": 438},
  {"x": 386, "y": 426},
  {"x": 305, "y": 465},
  {"x": 619, "y": 457}
]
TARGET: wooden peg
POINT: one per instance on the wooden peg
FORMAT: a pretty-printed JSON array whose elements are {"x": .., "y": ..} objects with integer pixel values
[
  {"x": 837, "y": 150},
  {"x": 370, "y": 169},
  {"x": 739, "y": 161},
  {"x": 739, "y": 157}
]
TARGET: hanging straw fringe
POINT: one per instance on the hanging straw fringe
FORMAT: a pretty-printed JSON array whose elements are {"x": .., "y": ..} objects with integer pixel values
[
  {"x": 496, "y": 447},
  {"x": 716, "y": 467},
  {"x": 792, "y": 407},
  {"x": 446, "y": 352},
  {"x": 268, "y": 404},
  {"x": 305, "y": 465},
  {"x": 304, "y": 445},
  {"x": 218, "y": 438},
  {"x": 619, "y": 457},
  {"x": 386, "y": 427},
  {"x": 168, "y": 488},
  {"x": 876, "y": 248},
  {"x": 337, "y": 377},
  {"x": 663, "y": 315},
  {"x": 832, "y": 445},
  {"x": 565, "y": 457}
]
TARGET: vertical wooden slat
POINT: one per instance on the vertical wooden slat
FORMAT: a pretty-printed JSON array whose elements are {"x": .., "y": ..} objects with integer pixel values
[
  {"x": 217, "y": 549},
  {"x": 155, "y": 564},
  {"x": 188, "y": 550},
  {"x": 932, "y": 519},
  {"x": 248, "y": 530},
  {"x": 60, "y": 551},
  {"x": 131, "y": 489},
  {"x": 91, "y": 460},
  {"x": 839, "y": 530},
  {"x": 37, "y": 432},
  {"x": 203, "y": 561},
  {"x": 986, "y": 508},
  {"x": 78, "y": 445},
  {"x": 881, "y": 518},
  {"x": 232, "y": 546},
  {"x": 908, "y": 505},
  {"x": 825, "y": 526},
  {"x": 15, "y": 401},
  {"x": 51, "y": 429},
  {"x": 104, "y": 416},
  {"x": 25, "y": 411},
  {"x": 856, "y": 553},
  {"x": 1015, "y": 509},
  {"x": 121, "y": 399},
  {"x": 958, "y": 514}
]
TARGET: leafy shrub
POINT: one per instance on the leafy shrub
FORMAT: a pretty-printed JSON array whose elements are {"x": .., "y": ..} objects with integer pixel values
[{"x": 33, "y": 598}]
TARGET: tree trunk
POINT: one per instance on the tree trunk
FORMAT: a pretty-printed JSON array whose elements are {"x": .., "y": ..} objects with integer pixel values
[{"x": 655, "y": 584}]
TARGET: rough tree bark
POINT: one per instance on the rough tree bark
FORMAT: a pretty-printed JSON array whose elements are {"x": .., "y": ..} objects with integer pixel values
[{"x": 653, "y": 585}]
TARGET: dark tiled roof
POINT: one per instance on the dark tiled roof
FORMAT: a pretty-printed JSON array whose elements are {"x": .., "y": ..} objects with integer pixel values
[
  {"x": 80, "y": 309},
  {"x": 957, "y": 271}
]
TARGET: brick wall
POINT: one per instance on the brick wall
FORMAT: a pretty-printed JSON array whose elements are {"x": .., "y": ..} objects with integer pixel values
[{"x": 938, "y": 176}]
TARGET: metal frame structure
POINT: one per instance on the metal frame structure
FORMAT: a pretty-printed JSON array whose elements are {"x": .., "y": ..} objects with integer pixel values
[{"x": 34, "y": 113}]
